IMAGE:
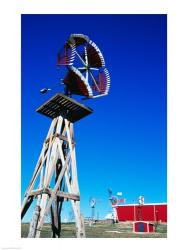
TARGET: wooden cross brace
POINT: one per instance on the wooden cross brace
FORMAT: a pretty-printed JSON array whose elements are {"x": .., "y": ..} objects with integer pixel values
[{"x": 54, "y": 180}]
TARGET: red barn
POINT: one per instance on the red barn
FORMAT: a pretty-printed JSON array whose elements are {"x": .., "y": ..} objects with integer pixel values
[{"x": 146, "y": 212}]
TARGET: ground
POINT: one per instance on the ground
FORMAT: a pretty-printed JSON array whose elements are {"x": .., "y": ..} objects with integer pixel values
[{"x": 100, "y": 230}]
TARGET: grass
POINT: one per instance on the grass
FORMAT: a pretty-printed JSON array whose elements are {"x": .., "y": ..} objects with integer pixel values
[{"x": 100, "y": 230}]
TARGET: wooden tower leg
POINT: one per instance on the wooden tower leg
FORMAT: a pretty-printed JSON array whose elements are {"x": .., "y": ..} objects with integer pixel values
[
  {"x": 51, "y": 161},
  {"x": 57, "y": 207},
  {"x": 73, "y": 181},
  {"x": 34, "y": 222},
  {"x": 55, "y": 220},
  {"x": 41, "y": 161},
  {"x": 56, "y": 165},
  {"x": 79, "y": 220}
]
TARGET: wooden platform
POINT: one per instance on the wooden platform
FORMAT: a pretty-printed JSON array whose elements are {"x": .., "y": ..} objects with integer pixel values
[{"x": 67, "y": 107}]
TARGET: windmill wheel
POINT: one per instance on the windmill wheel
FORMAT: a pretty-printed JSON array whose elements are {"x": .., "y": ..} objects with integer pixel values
[{"x": 87, "y": 74}]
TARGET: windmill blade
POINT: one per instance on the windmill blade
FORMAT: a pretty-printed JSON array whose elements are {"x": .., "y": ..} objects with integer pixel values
[
  {"x": 66, "y": 56},
  {"x": 77, "y": 83},
  {"x": 86, "y": 61},
  {"x": 78, "y": 39},
  {"x": 103, "y": 82},
  {"x": 95, "y": 57},
  {"x": 86, "y": 55}
]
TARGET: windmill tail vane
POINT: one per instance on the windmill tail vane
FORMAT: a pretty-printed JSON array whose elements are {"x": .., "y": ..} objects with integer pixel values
[{"x": 45, "y": 90}]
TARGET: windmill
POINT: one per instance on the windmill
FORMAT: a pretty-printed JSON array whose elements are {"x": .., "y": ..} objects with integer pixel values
[
  {"x": 141, "y": 203},
  {"x": 92, "y": 203},
  {"x": 113, "y": 202},
  {"x": 86, "y": 73},
  {"x": 54, "y": 179}
]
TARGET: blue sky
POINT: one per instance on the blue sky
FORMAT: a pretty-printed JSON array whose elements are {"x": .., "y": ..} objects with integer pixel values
[{"x": 122, "y": 145}]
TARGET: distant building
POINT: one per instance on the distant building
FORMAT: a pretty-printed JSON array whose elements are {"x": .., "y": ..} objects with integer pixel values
[
  {"x": 146, "y": 212},
  {"x": 143, "y": 227}
]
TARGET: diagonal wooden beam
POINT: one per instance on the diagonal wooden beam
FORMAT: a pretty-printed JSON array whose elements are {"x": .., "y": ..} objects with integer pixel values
[{"x": 54, "y": 191}]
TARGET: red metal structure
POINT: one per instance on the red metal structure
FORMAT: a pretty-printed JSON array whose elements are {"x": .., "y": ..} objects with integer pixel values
[
  {"x": 143, "y": 227},
  {"x": 86, "y": 72},
  {"x": 147, "y": 212}
]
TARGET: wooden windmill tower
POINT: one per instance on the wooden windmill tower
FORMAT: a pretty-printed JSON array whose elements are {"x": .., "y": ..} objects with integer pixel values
[{"x": 54, "y": 180}]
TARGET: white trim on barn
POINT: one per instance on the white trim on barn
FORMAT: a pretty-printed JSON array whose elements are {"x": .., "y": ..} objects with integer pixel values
[{"x": 126, "y": 205}]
